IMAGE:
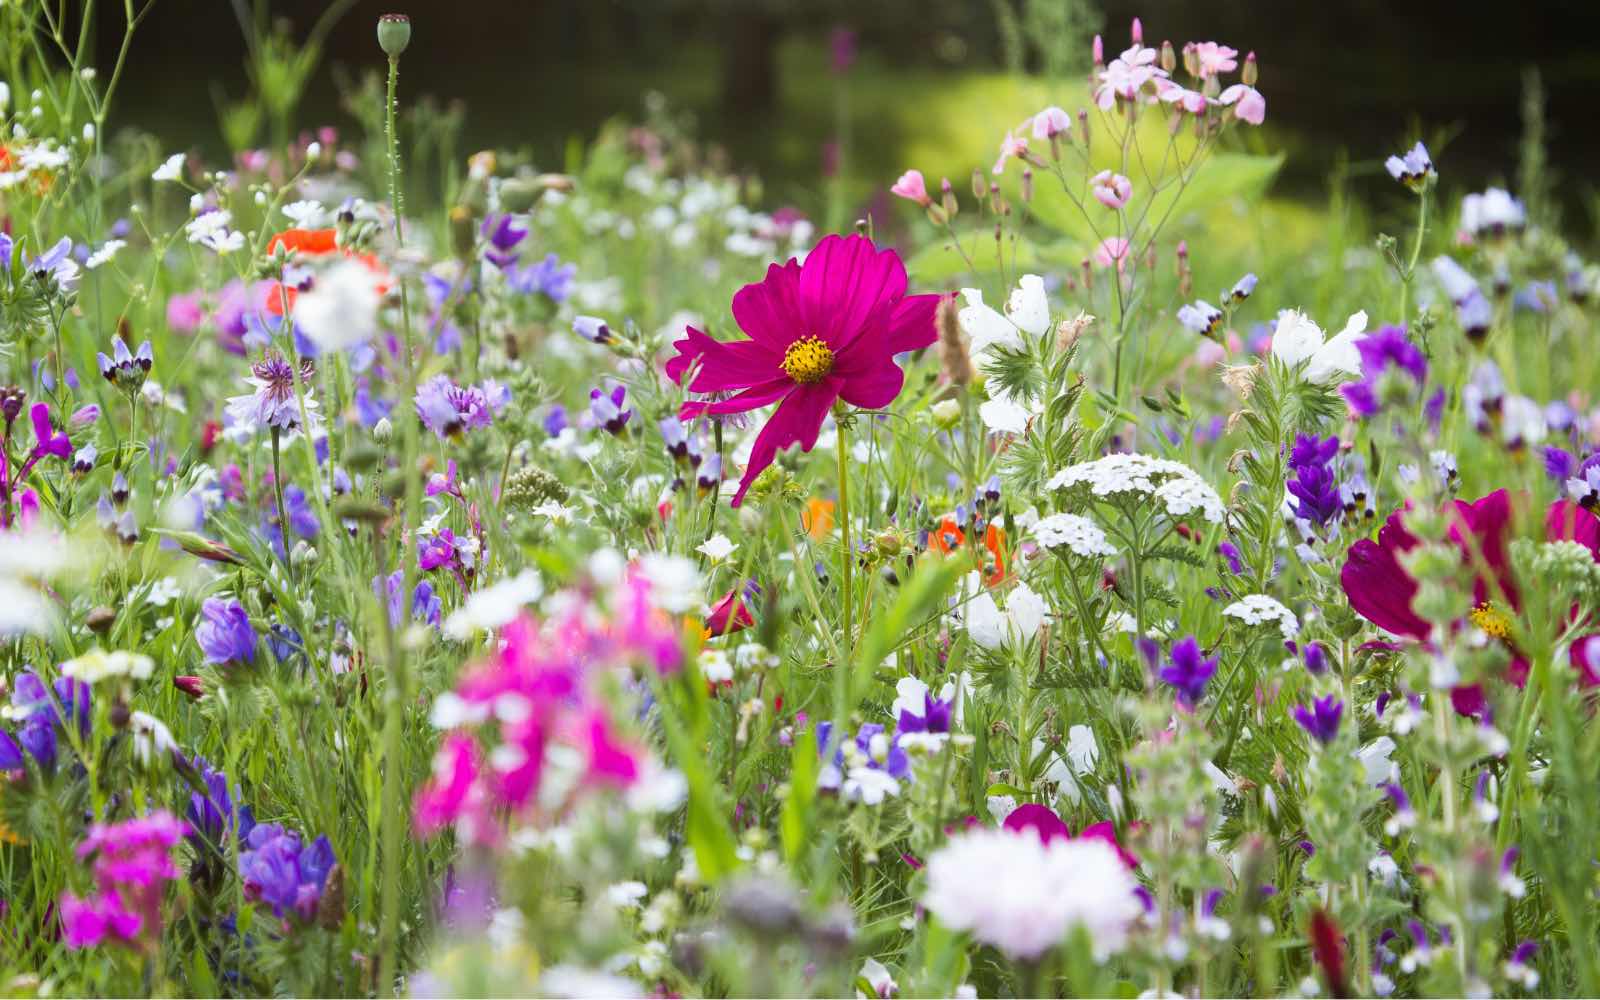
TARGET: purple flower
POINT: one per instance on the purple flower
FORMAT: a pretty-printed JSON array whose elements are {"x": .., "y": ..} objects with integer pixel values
[
  {"x": 935, "y": 717},
  {"x": 1232, "y": 556},
  {"x": 1317, "y": 660},
  {"x": 57, "y": 265},
  {"x": 125, "y": 370},
  {"x": 448, "y": 409},
  {"x": 425, "y": 604},
  {"x": 556, "y": 420},
  {"x": 1558, "y": 463},
  {"x": 1201, "y": 317},
  {"x": 1187, "y": 671},
  {"x": 276, "y": 870},
  {"x": 1321, "y": 720},
  {"x": 273, "y": 403},
  {"x": 1313, "y": 486},
  {"x": 50, "y": 441},
  {"x": 1411, "y": 169},
  {"x": 503, "y": 235},
  {"x": 607, "y": 408},
  {"x": 1242, "y": 289},
  {"x": 436, "y": 550},
  {"x": 211, "y": 813},
  {"x": 548, "y": 277},
  {"x": 592, "y": 329},
  {"x": 1390, "y": 347},
  {"x": 226, "y": 635}
]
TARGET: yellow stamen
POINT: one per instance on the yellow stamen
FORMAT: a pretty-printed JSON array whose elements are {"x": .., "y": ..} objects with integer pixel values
[
  {"x": 1491, "y": 621},
  {"x": 808, "y": 360}
]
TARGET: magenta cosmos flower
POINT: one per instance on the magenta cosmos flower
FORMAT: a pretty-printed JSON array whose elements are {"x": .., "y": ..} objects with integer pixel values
[{"x": 820, "y": 331}]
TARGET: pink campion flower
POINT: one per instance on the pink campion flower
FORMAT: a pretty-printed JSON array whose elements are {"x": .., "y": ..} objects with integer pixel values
[
  {"x": 1246, "y": 102},
  {"x": 912, "y": 187},
  {"x": 1215, "y": 59},
  {"x": 1050, "y": 122},
  {"x": 132, "y": 865},
  {"x": 1012, "y": 146},
  {"x": 1111, "y": 190},
  {"x": 1112, "y": 250},
  {"x": 1191, "y": 101},
  {"x": 821, "y": 331},
  {"x": 1126, "y": 76}
]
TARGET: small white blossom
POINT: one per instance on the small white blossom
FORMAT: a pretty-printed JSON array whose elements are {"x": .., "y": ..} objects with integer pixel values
[
  {"x": 1259, "y": 609},
  {"x": 171, "y": 169},
  {"x": 716, "y": 548},
  {"x": 1079, "y": 534},
  {"x": 1131, "y": 476}
]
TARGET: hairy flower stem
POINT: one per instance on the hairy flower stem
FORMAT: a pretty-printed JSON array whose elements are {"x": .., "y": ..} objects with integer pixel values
[
  {"x": 841, "y": 445},
  {"x": 277, "y": 490},
  {"x": 1416, "y": 254},
  {"x": 395, "y": 693}
]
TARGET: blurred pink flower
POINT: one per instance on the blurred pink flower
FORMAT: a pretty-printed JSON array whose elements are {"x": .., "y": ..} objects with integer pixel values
[
  {"x": 1111, "y": 190},
  {"x": 1191, "y": 101},
  {"x": 1215, "y": 58},
  {"x": 1112, "y": 250},
  {"x": 1012, "y": 145},
  {"x": 1050, "y": 122},
  {"x": 912, "y": 187},
  {"x": 1247, "y": 103},
  {"x": 185, "y": 312}
]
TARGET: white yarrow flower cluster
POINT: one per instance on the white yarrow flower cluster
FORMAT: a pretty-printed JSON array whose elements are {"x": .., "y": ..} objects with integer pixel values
[
  {"x": 1080, "y": 535},
  {"x": 1179, "y": 488},
  {"x": 97, "y": 665},
  {"x": 1011, "y": 890},
  {"x": 1259, "y": 609}
]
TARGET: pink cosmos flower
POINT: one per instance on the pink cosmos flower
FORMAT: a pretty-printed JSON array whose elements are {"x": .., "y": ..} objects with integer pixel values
[
  {"x": 1111, "y": 190},
  {"x": 1112, "y": 250},
  {"x": 1050, "y": 122},
  {"x": 453, "y": 795},
  {"x": 912, "y": 187},
  {"x": 1215, "y": 58},
  {"x": 820, "y": 331},
  {"x": 1247, "y": 103}
]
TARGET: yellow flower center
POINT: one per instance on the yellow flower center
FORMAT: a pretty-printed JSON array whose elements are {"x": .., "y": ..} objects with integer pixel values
[
  {"x": 808, "y": 360},
  {"x": 1491, "y": 621}
]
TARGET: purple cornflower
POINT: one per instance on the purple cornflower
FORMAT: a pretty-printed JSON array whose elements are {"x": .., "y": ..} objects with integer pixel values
[
  {"x": 548, "y": 277},
  {"x": 1321, "y": 720},
  {"x": 276, "y": 870},
  {"x": 437, "y": 550},
  {"x": 1200, "y": 317},
  {"x": 607, "y": 408},
  {"x": 503, "y": 235},
  {"x": 226, "y": 635},
  {"x": 1313, "y": 486},
  {"x": 123, "y": 369},
  {"x": 273, "y": 403},
  {"x": 1188, "y": 672},
  {"x": 448, "y": 409}
]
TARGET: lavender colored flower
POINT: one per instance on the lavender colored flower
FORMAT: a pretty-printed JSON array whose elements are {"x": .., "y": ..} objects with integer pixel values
[
  {"x": 592, "y": 328},
  {"x": 273, "y": 403},
  {"x": 425, "y": 603},
  {"x": 211, "y": 813},
  {"x": 556, "y": 420},
  {"x": 503, "y": 234},
  {"x": 1201, "y": 317},
  {"x": 1316, "y": 659},
  {"x": 1413, "y": 168},
  {"x": 608, "y": 408},
  {"x": 1232, "y": 556},
  {"x": 124, "y": 369},
  {"x": 1558, "y": 463},
  {"x": 57, "y": 266},
  {"x": 448, "y": 409},
  {"x": 935, "y": 717},
  {"x": 276, "y": 870},
  {"x": 548, "y": 277},
  {"x": 226, "y": 635},
  {"x": 1187, "y": 671},
  {"x": 1314, "y": 488},
  {"x": 437, "y": 550},
  {"x": 1321, "y": 720},
  {"x": 709, "y": 474},
  {"x": 1242, "y": 289}
]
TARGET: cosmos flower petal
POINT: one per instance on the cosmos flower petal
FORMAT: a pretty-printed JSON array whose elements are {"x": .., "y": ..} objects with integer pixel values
[
  {"x": 765, "y": 310},
  {"x": 723, "y": 366},
  {"x": 798, "y": 419},
  {"x": 911, "y": 324},
  {"x": 845, "y": 285}
]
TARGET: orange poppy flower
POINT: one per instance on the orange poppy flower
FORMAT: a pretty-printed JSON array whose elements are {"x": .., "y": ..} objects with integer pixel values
[
  {"x": 949, "y": 537},
  {"x": 817, "y": 518},
  {"x": 316, "y": 243}
]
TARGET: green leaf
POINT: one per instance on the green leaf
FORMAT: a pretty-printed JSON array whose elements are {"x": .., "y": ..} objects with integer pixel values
[{"x": 800, "y": 806}]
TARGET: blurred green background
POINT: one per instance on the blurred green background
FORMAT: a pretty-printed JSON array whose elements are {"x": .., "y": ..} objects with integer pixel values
[{"x": 931, "y": 84}]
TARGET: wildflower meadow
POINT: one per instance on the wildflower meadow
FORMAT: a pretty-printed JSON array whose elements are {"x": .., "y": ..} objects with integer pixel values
[{"x": 433, "y": 571}]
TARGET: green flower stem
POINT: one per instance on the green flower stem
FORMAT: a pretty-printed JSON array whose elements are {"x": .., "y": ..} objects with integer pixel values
[{"x": 842, "y": 447}]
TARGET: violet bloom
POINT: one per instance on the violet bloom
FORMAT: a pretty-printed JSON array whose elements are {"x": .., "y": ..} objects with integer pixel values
[
  {"x": 425, "y": 604},
  {"x": 437, "y": 550},
  {"x": 276, "y": 870},
  {"x": 1201, "y": 317},
  {"x": 607, "y": 408},
  {"x": 935, "y": 717},
  {"x": 1321, "y": 720},
  {"x": 556, "y": 420},
  {"x": 1242, "y": 289},
  {"x": 548, "y": 277},
  {"x": 503, "y": 235},
  {"x": 592, "y": 329},
  {"x": 1188, "y": 672},
  {"x": 123, "y": 369},
  {"x": 273, "y": 404},
  {"x": 211, "y": 813},
  {"x": 1388, "y": 359},
  {"x": 1314, "y": 488},
  {"x": 1413, "y": 169},
  {"x": 57, "y": 266},
  {"x": 226, "y": 635},
  {"x": 49, "y": 440},
  {"x": 448, "y": 409}
]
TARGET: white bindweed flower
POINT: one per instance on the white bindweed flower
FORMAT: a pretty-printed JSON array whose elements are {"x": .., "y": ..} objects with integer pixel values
[
  {"x": 1298, "y": 340},
  {"x": 716, "y": 548}
]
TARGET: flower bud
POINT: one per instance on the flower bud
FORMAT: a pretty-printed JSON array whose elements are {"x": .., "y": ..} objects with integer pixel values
[
  {"x": 1169, "y": 57},
  {"x": 1191, "y": 59},
  {"x": 1249, "y": 74},
  {"x": 1083, "y": 127},
  {"x": 394, "y": 34},
  {"x": 383, "y": 430},
  {"x": 1098, "y": 50},
  {"x": 1136, "y": 32},
  {"x": 100, "y": 619},
  {"x": 946, "y": 413},
  {"x": 1027, "y": 185},
  {"x": 951, "y": 207},
  {"x": 980, "y": 185}
]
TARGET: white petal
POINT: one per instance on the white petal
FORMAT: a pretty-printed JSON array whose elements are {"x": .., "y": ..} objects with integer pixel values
[
  {"x": 1295, "y": 338},
  {"x": 983, "y": 326},
  {"x": 1027, "y": 306}
]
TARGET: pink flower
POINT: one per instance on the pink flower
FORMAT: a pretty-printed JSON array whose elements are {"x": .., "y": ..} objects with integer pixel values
[
  {"x": 821, "y": 331},
  {"x": 732, "y": 611},
  {"x": 911, "y": 187},
  {"x": 1111, "y": 190},
  {"x": 453, "y": 795},
  {"x": 1012, "y": 145},
  {"x": 1191, "y": 101},
  {"x": 185, "y": 312},
  {"x": 1215, "y": 58},
  {"x": 1112, "y": 250},
  {"x": 1098, "y": 51},
  {"x": 1126, "y": 76},
  {"x": 132, "y": 865},
  {"x": 1050, "y": 122},
  {"x": 1044, "y": 822},
  {"x": 610, "y": 761},
  {"x": 1247, "y": 103}
]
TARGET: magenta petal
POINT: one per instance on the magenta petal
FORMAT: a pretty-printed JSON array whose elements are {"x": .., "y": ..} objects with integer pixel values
[
  {"x": 845, "y": 285},
  {"x": 1468, "y": 699},
  {"x": 797, "y": 419},
  {"x": 1379, "y": 590},
  {"x": 911, "y": 325},
  {"x": 749, "y": 399},
  {"x": 767, "y": 310},
  {"x": 1107, "y": 831},
  {"x": 723, "y": 366},
  {"x": 874, "y": 388},
  {"x": 1566, "y": 521},
  {"x": 1489, "y": 521},
  {"x": 1042, "y": 820}
]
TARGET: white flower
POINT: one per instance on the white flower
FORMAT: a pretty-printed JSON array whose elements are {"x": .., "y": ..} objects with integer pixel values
[
  {"x": 716, "y": 548},
  {"x": 96, "y": 665},
  {"x": 1028, "y": 307},
  {"x": 1027, "y": 311},
  {"x": 1383, "y": 868},
  {"x": 991, "y": 628},
  {"x": 1259, "y": 609},
  {"x": 869, "y": 785},
  {"x": 1130, "y": 475},
  {"x": 1024, "y": 897},
  {"x": 171, "y": 169},
  {"x": 877, "y": 977},
  {"x": 674, "y": 582},
  {"x": 1494, "y": 210},
  {"x": 576, "y": 981},
  {"x": 1375, "y": 759},
  {"x": 1004, "y": 415},
  {"x": 107, "y": 250},
  {"x": 626, "y": 895},
  {"x": 341, "y": 308},
  {"x": 150, "y": 737},
  {"x": 1296, "y": 339},
  {"x": 1079, "y": 534},
  {"x": 715, "y": 666},
  {"x": 495, "y": 605},
  {"x": 305, "y": 214}
]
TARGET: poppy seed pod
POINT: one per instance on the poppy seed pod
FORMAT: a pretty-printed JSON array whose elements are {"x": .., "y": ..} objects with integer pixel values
[{"x": 394, "y": 34}]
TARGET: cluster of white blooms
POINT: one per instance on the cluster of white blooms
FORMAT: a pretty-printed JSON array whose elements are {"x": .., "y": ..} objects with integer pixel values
[
  {"x": 1259, "y": 609},
  {"x": 1013, "y": 891},
  {"x": 1179, "y": 488},
  {"x": 97, "y": 665},
  {"x": 1079, "y": 534}
]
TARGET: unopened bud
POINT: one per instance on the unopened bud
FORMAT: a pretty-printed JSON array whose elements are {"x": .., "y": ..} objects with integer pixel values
[
  {"x": 1191, "y": 59},
  {"x": 936, "y": 214},
  {"x": 1250, "y": 72},
  {"x": 100, "y": 619},
  {"x": 383, "y": 430},
  {"x": 1027, "y": 186},
  {"x": 1098, "y": 49},
  {"x": 980, "y": 184},
  {"x": 1169, "y": 57},
  {"x": 394, "y": 34},
  {"x": 1137, "y": 31},
  {"x": 954, "y": 361},
  {"x": 946, "y": 413},
  {"x": 951, "y": 207},
  {"x": 1083, "y": 127}
]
